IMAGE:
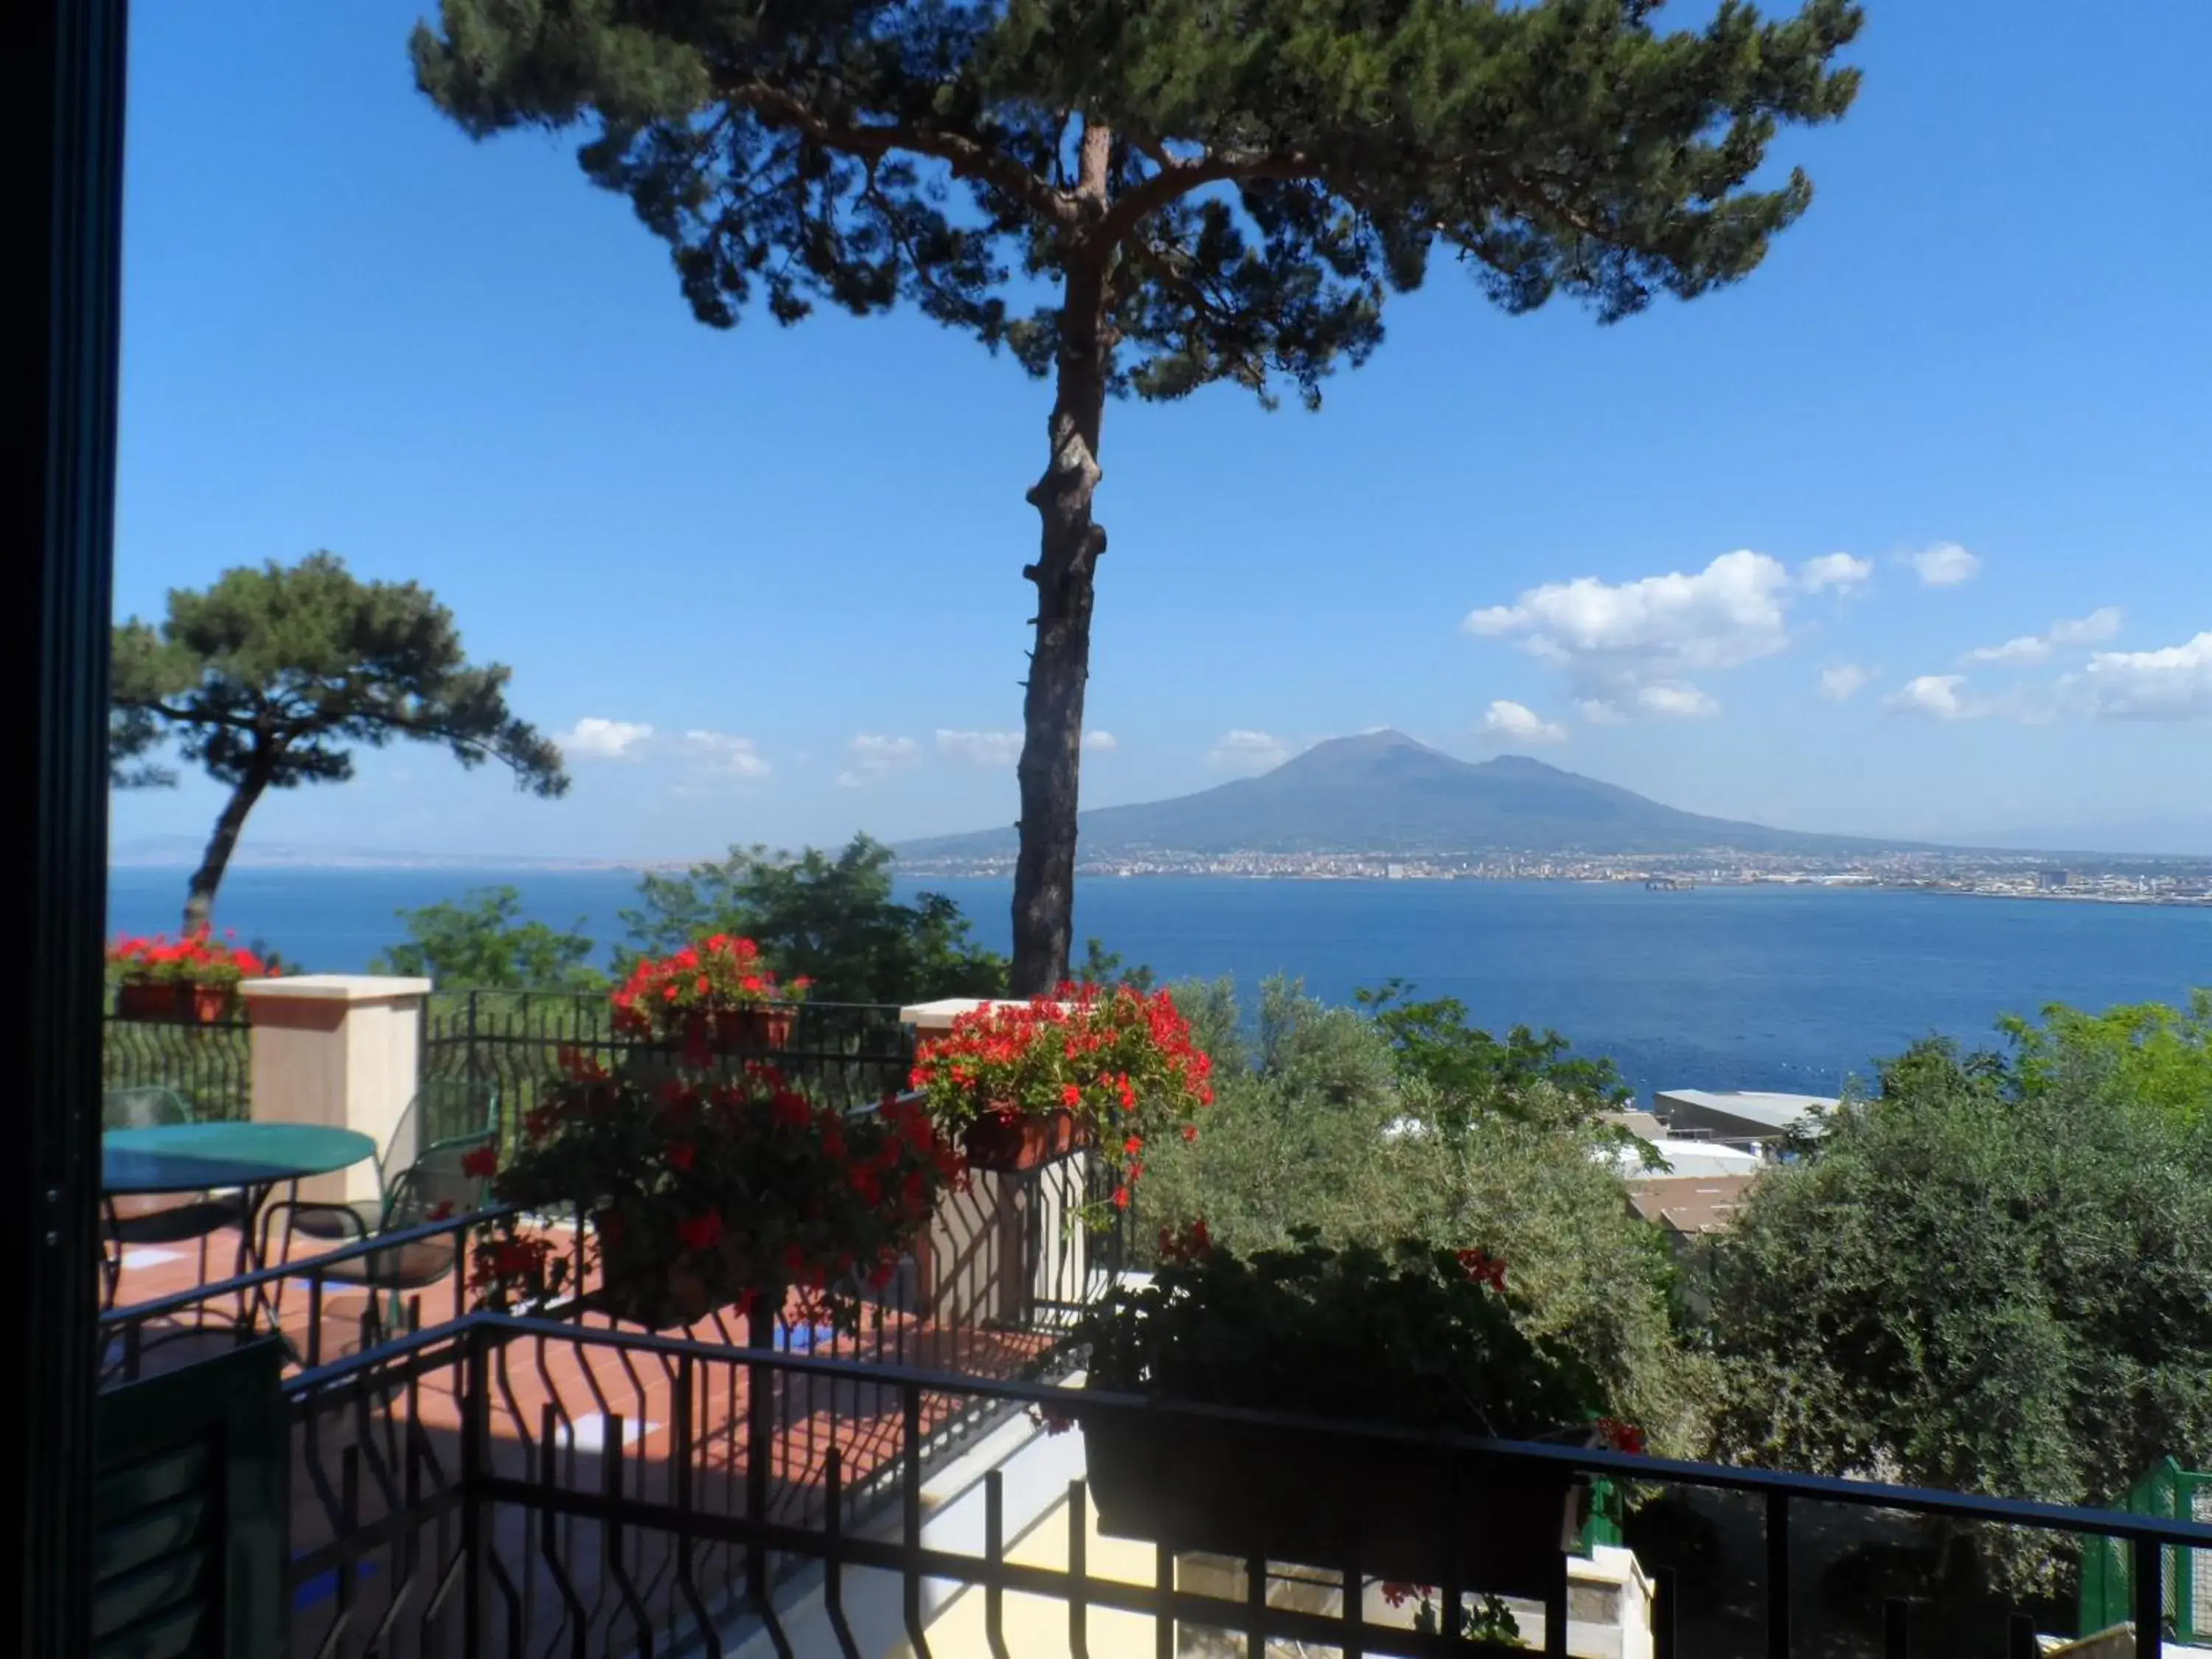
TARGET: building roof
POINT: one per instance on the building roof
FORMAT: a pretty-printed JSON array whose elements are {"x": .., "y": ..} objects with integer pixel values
[
  {"x": 1693, "y": 1206},
  {"x": 1685, "y": 1158},
  {"x": 1759, "y": 1112},
  {"x": 1641, "y": 1124}
]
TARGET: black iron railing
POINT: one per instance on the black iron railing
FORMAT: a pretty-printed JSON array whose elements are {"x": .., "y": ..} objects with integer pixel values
[
  {"x": 511, "y": 1486},
  {"x": 211, "y": 1067},
  {"x": 556, "y": 1485},
  {"x": 843, "y": 1055},
  {"x": 994, "y": 1287}
]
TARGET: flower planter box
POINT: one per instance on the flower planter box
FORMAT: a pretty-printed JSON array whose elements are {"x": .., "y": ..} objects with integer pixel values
[
  {"x": 173, "y": 1002},
  {"x": 147, "y": 1000},
  {"x": 1012, "y": 1142},
  {"x": 1235, "y": 1489}
]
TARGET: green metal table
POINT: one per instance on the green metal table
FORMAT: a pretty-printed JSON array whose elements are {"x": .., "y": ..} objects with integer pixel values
[{"x": 252, "y": 1159}]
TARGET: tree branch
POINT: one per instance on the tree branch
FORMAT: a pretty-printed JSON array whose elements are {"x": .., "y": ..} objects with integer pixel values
[
  {"x": 1177, "y": 179},
  {"x": 966, "y": 157}
]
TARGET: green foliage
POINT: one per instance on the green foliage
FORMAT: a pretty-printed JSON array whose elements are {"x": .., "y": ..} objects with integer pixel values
[
  {"x": 1407, "y": 1334},
  {"x": 1105, "y": 968},
  {"x": 1245, "y": 196},
  {"x": 481, "y": 943},
  {"x": 1992, "y": 1277},
  {"x": 828, "y": 918},
  {"x": 2159, "y": 1055},
  {"x": 1527, "y": 1076},
  {"x": 1317, "y": 1123}
]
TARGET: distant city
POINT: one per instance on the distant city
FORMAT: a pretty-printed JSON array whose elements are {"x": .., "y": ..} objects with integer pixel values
[{"x": 2103, "y": 880}]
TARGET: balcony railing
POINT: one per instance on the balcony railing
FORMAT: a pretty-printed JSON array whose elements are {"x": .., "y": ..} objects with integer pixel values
[
  {"x": 211, "y": 1067},
  {"x": 528, "y": 1487},
  {"x": 843, "y": 1055}
]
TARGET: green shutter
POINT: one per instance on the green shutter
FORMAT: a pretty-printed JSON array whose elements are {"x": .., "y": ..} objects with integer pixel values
[{"x": 189, "y": 1512}]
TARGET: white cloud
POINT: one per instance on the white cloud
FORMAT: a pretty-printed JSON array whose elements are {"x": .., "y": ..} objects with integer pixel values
[
  {"x": 1248, "y": 751},
  {"x": 1597, "y": 711},
  {"x": 1841, "y": 682},
  {"x": 2014, "y": 653},
  {"x": 1675, "y": 700},
  {"x": 2093, "y": 628},
  {"x": 1637, "y": 643},
  {"x": 2174, "y": 683},
  {"x": 1519, "y": 723},
  {"x": 1936, "y": 695},
  {"x": 1837, "y": 570},
  {"x": 1944, "y": 565},
  {"x": 594, "y": 738},
  {"x": 979, "y": 748},
  {"x": 872, "y": 757},
  {"x": 1101, "y": 741},
  {"x": 730, "y": 756}
]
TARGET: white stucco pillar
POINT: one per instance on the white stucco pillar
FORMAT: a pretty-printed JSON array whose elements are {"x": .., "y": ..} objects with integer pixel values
[
  {"x": 977, "y": 1251},
  {"x": 342, "y": 1049}
]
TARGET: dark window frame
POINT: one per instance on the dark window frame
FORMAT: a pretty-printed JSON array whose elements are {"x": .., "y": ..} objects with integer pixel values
[{"x": 62, "y": 116}]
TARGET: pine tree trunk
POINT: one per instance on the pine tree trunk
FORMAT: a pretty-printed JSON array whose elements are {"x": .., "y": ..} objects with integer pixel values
[
  {"x": 1059, "y": 664},
  {"x": 199, "y": 897}
]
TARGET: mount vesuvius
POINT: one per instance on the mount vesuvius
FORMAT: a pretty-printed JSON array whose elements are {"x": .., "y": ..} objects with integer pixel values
[{"x": 1382, "y": 792}]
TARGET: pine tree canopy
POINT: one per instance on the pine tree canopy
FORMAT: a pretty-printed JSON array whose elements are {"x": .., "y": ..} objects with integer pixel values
[
  {"x": 270, "y": 675},
  {"x": 1272, "y": 169}
]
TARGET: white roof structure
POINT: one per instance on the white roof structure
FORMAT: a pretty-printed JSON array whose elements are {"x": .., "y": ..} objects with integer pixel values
[
  {"x": 1739, "y": 1114},
  {"x": 1686, "y": 1157}
]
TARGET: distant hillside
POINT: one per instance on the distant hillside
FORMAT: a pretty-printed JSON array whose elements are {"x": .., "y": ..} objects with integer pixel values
[{"x": 1384, "y": 793}]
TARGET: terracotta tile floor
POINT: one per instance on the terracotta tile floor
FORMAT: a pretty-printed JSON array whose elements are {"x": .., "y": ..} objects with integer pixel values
[{"x": 366, "y": 1461}]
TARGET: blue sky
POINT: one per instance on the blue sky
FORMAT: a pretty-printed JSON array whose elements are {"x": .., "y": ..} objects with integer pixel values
[{"x": 1977, "y": 369}]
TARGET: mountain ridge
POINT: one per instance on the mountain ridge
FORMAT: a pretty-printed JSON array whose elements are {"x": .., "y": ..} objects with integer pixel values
[{"x": 1384, "y": 793}]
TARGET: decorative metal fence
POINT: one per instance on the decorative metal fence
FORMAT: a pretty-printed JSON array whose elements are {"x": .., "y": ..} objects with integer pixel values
[
  {"x": 487, "y": 1485},
  {"x": 2169, "y": 1492},
  {"x": 510, "y": 1487},
  {"x": 844, "y": 1054},
  {"x": 210, "y": 1065}
]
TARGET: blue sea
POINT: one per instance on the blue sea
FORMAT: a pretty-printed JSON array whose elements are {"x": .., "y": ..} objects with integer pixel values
[{"x": 1760, "y": 987}]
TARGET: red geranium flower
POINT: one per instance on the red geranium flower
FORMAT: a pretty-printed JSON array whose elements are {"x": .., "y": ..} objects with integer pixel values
[
  {"x": 1619, "y": 1435},
  {"x": 480, "y": 1164},
  {"x": 700, "y": 1232}
]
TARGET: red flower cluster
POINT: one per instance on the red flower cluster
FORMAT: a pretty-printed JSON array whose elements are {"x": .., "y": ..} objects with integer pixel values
[
  {"x": 739, "y": 1184},
  {"x": 719, "y": 975},
  {"x": 1188, "y": 1245},
  {"x": 1619, "y": 1435},
  {"x": 1483, "y": 1268},
  {"x": 1122, "y": 1061},
  {"x": 196, "y": 958},
  {"x": 512, "y": 1267}
]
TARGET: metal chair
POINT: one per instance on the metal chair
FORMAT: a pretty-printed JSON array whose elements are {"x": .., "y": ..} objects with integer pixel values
[
  {"x": 443, "y": 1110},
  {"x": 435, "y": 1186},
  {"x": 182, "y": 1222}
]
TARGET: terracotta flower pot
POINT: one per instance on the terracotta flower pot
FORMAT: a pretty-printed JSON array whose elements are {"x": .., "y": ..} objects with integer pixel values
[
  {"x": 147, "y": 1000},
  {"x": 203, "y": 1005},
  {"x": 1236, "y": 1489},
  {"x": 1012, "y": 1142},
  {"x": 753, "y": 1031}
]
